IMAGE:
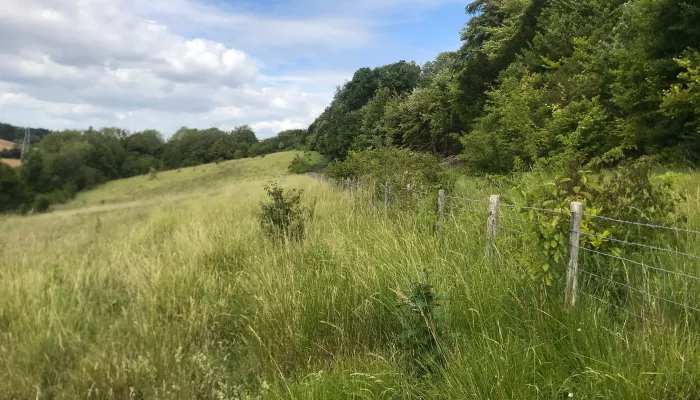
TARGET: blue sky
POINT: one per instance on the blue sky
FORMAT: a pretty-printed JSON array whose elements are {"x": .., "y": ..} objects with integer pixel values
[{"x": 273, "y": 64}]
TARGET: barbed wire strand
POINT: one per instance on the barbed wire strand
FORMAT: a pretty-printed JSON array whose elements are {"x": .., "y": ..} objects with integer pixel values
[
  {"x": 510, "y": 229},
  {"x": 547, "y": 210},
  {"x": 467, "y": 199},
  {"x": 610, "y": 239},
  {"x": 511, "y": 218},
  {"x": 639, "y": 263},
  {"x": 619, "y": 308},
  {"x": 644, "y": 224},
  {"x": 451, "y": 209},
  {"x": 639, "y": 290}
]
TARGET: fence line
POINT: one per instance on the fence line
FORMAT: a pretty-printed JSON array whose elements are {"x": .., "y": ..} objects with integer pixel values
[
  {"x": 493, "y": 208},
  {"x": 640, "y": 263},
  {"x": 648, "y": 225},
  {"x": 670, "y": 251}
]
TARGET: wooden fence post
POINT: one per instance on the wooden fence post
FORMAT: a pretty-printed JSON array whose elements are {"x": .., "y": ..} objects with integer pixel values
[
  {"x": 574, "y": 242},
  {"x": 492, "y": 226},
  {"x": 441, "y": 212},
  {"x": 386, "y": 196}
]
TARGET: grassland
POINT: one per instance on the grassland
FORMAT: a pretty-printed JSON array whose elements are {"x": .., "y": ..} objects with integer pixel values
[{"x": 166, "y": 289}]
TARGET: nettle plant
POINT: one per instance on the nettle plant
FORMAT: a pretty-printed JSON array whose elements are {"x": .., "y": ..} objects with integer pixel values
[{"x": 421, "y": 320}]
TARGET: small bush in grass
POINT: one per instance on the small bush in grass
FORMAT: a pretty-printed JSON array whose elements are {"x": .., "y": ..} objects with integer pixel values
[
  {"x": 283, "y": 217},
  {"x": 421, "y": 320},
  {"x": 42, "y": 203},
  {"x": 300, "y": 165},
  {"x": 152, "y": 174}
]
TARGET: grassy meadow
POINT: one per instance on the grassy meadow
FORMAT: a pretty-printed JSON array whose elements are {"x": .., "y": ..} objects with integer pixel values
[{"x": 166, "y": 288}]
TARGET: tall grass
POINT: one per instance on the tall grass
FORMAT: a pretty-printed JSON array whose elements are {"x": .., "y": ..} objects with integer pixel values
[{"x": 179, "y": 296}]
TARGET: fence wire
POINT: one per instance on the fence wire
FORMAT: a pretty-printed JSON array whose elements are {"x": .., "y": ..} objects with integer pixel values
[
  {"x": 457, "y": 204},
  {"x": 670, "y": 251},
  {"x": 637, "y": 263},
  {"x": 644, "y": 292},
  {"x": 644, "y": 224}
]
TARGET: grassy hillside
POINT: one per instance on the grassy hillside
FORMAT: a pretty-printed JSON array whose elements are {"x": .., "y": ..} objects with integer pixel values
[{"x": 165, "y": 288}]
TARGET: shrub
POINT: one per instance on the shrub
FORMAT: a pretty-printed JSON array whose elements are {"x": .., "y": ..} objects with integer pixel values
[
  {"x": 625, "y": 193},
  {"x": 300, "y": 165},
  {"x": 42, "y": 203},
  {"x": 421, "y": 320},
  {"x": 13, "y": 192},
  {"x": 283, "y": 217},
  {"x": 398, "y": 168},
  {"x": 152, "y": 174}
]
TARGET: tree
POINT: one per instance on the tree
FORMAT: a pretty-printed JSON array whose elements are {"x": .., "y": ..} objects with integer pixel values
[{"x": 13, "y": 192}]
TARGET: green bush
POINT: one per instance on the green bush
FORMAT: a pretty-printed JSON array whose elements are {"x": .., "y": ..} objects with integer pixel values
[
  {"x": 398, "y": 168},
  {"x": 628, "y": 192},
  {"x": 421, "y": 321},
  {"x": 300, "y": 165},
  {"x": 283, "y": 217},
  {"x": 13, "y": 192},
  {"x": 42, "y": 203}
]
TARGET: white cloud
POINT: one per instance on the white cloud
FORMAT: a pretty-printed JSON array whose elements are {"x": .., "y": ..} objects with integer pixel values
[
  {"x": 278, "y": 126},
  {"x": 338, "y": 30},
  {"x": 92, "y": 62},
  {"x": 167, "y": 63}
]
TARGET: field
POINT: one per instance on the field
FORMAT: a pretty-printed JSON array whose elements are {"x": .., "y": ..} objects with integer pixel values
[
  {"x": 6, "y": 144},
  {"x": 165, "y": 288},
  {"x": 12, "y": 162}
]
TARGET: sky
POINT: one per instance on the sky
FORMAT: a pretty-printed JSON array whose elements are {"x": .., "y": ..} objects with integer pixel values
[{"x": 164, "y": 64}]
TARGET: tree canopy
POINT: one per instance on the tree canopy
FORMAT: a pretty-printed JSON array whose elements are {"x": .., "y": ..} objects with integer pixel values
[{"x": 536, "y": 81}]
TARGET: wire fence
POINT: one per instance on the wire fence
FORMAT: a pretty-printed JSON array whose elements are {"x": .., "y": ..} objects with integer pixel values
[{"x": 638, "y": 277}]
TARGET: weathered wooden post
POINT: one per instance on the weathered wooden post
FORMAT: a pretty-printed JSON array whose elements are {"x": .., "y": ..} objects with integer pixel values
[
  {"x": 574, "y": 242},
  {"x": 492, "y": 224}
]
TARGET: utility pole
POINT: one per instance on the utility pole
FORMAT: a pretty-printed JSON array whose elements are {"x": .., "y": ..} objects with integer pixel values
[{"x": 25, "y": 144}]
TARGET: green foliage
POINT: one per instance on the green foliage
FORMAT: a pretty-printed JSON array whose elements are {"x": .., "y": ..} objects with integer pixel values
[
  {"x": 16, "y": 134},
  {"x": 421, "y": 323},
  {"x": 283, "y": 217},
  {"x": 628, "y": 192},
  {"x": 300, "y": 165},
  {"x": 42, "y": 203},
  {"x": 346, "y": 124},
  {"x": 398, "y": 168},
  {"x": 294, "y": 139},
  {"x": 13, "y": 192},
  {"x": 153, "y": 174},
  {"x": 549, "y": 231}
]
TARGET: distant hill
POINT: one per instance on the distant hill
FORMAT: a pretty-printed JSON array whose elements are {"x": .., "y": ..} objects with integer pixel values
[{"x": 13, "y": 133}]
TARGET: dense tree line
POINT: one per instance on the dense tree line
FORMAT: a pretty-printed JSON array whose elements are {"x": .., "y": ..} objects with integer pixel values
[
  {"x": 65, "y": 162},
  {"x": 536, "y": 82}
]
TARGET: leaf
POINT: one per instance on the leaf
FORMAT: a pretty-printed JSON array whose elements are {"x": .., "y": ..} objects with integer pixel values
[{"x": 545, "y": 267}]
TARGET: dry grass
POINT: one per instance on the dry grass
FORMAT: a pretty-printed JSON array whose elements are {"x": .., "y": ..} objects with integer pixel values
[
  {"x": 14, "y": 163},
  {"x": 7, "y": 145},
  {"x": 170, "y": 291}
]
